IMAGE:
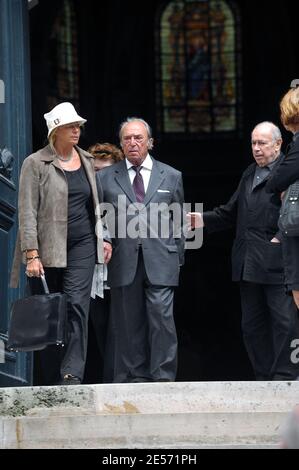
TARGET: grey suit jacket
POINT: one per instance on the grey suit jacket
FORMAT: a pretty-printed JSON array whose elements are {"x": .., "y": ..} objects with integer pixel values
[{"x": 159, "y": 231}]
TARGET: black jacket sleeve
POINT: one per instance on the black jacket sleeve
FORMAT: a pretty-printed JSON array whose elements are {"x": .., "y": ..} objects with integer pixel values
[{"x": 287, "y": 171}]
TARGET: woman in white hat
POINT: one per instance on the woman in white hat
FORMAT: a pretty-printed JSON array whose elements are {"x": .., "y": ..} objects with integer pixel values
[{"x": 60, "y": 233}]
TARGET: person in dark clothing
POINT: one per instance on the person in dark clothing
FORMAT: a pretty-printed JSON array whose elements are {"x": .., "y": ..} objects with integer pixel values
[
  {"x": 58, "y": 213},
  {"x": 105, "y": 154},
  {"x": 286, "y": 174},
  {"x": 269, "y": 316}
]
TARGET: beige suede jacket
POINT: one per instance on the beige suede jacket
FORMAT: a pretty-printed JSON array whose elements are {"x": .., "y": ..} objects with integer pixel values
[{"x": 43, "y": 207}]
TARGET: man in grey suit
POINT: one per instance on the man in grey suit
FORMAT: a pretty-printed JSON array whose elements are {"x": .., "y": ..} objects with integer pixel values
[{"x": 144, "y": 203}]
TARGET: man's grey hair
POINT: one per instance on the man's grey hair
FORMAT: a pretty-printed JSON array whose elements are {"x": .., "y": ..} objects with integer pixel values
[
  {"x": 275, "y": 131},
  {"x": 132, "y": 119}
]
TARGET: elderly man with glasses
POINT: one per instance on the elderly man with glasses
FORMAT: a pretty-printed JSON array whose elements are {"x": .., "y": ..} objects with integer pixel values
[{"x": 145, "y": 212}]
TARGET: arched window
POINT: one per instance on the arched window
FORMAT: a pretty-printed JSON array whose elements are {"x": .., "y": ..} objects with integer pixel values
[
  {"x": 63, "y": 66},
  {"x": 198, "y": 68}
]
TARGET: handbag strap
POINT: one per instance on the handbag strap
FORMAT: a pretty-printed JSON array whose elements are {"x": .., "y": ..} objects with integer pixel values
[
  {"x": 28, "y": 287},
  {"x": 45, "y": 285}
]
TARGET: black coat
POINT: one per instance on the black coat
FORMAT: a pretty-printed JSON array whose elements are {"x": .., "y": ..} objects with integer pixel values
[
  {"x": 286, "y": 173},
  {"x": 254, "y": 214}
]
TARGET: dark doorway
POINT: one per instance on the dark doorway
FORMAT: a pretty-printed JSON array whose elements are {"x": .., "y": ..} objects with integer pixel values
[{"x": 116, "y": 47}]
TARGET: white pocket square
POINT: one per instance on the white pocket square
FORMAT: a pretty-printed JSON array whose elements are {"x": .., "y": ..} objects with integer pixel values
[{"x": 163, "y": 191}]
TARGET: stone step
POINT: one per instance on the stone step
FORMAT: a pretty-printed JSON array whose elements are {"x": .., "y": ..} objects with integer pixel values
[{"x": 147, "y": 415}]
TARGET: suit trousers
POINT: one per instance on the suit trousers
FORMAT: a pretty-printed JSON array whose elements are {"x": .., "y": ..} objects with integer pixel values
[
  {"x": 145, "y": 345},
  {"x": 75, "y": 280},
  {"x": 269, "y": 324}
]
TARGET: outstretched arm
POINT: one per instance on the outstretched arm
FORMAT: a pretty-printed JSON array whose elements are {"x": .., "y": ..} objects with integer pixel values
[{"x": 221, "y": 218}]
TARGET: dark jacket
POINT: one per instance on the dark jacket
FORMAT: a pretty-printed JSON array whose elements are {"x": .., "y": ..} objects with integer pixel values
[
  {"x": 254, "y": 214},
  {"x": 286, "y": 174}
]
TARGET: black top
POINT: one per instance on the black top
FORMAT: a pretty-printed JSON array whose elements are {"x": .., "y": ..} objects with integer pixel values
[{"x": 81, "y": 220}]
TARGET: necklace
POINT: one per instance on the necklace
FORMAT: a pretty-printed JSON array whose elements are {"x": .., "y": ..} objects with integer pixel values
[{"x": 65, "y": 159}]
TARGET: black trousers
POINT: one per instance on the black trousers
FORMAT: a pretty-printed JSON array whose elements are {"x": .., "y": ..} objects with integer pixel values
[
  {"x": 269, "y": 324},
  {"x": 75, "y": 280},
  {"x": 100, "y": 348},
  {"x": 145, "y": 334}
]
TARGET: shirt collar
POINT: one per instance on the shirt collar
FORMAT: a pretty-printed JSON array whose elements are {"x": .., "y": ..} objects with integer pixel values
[
  {"x": 267, "y": 167},
  {"x": 147, "y": 163},
  {"x": 271, "y": 164}
]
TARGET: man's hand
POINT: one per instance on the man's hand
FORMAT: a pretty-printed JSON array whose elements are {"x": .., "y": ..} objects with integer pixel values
[
  {"x": 194, "y": 220},
  {"x": 107, "y": 252},
  {"x": 296, "y": 297},
  {"x": 275, "y": 240}
]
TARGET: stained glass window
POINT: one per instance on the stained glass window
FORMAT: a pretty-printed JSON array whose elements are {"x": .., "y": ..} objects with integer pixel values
[
  {"x": 198, "y": 86},
  {"x": 63, "y": 76}
]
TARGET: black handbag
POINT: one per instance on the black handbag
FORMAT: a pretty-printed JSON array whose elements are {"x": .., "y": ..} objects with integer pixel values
[
  {"x": 38, "y": 321},
  {"x": 288, "y": 221}
]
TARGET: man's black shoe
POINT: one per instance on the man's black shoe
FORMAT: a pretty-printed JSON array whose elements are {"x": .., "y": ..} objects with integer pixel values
[{"x": 70, "y": 379}]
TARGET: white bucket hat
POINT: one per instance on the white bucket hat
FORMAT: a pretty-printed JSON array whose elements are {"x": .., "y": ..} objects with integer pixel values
[{"x": 63, "y": 113}]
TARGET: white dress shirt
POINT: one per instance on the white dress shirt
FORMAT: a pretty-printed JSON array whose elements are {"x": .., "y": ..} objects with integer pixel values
[{"x": 145, "y": 171}]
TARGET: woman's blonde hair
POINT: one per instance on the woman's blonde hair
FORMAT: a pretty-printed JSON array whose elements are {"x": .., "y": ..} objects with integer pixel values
[
  {"x": 52, "y": 139},
  {"x": 289, "y": 107}
]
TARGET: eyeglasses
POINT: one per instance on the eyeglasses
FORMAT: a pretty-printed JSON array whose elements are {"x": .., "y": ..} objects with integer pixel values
[
  {"x": 128, "y": 138},
  {"x": 260, "y": 143}
]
